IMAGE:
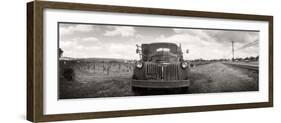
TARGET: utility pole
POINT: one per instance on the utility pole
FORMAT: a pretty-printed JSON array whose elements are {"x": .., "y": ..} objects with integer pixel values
[{"x": 232, "y": 51}]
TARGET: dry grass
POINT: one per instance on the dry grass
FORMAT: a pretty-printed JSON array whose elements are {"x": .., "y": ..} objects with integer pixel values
[
  {"x": 92, "y": 79},
  {"x": 96, "y": 79},
  {"x": 217, "y": 77}
]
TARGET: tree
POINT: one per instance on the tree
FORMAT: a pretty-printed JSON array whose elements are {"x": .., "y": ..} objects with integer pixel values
[
  {"x": 252, "y": 58},
  {"x": 257, "y": 58},
  {"x": 60, "y": 52}
]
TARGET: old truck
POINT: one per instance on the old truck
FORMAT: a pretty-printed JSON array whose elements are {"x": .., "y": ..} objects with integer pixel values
[{"x": 161, "y": 65}]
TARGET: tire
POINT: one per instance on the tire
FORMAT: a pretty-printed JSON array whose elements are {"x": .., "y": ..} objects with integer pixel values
[
  {"x": 184, "y": 90},
  {"x": 136, "y": 91}
]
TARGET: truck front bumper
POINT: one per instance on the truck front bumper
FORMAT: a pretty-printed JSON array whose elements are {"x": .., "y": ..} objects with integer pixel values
[{"x": 160, "y": 83}]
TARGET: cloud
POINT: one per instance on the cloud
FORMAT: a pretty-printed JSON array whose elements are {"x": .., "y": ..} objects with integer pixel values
[
  {"x": 188, "y": 37},
  {"x": 194, "y": 32},
  {"x": 119, "y": 50},
  {"x": 224, "y": 38},
  {"x": 76, "y": 46},
  {"x": 67, "y": 29},
  {"x": 221, "y": 36},
  {"x": 89, "y": 41},
  {"x": 212, "y": 44},
  {"x": 235, "y": 36},
  {"x": 108, "y": 41},
  {"x": 121, "y": 30},
  {"x": 198, "y": 47}
]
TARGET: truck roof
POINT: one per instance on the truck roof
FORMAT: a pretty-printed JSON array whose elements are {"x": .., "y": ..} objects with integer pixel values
[{"x": 162, "y": 43}]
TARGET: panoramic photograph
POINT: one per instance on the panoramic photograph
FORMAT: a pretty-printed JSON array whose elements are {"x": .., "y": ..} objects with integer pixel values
[{"x": 107, "y": 60}]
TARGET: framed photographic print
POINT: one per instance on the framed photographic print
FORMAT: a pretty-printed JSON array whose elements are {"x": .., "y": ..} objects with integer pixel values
[{"x": 96, "y": 61}]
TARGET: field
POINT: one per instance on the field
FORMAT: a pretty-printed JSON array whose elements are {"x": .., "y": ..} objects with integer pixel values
[
  {"x": 91, "y": 78},
  {"x": 218, "y": 77},
  {"x": 94, "y": 78}
]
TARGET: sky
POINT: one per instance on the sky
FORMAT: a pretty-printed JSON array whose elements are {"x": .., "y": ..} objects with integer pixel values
[{"x": 119, "y": 41}]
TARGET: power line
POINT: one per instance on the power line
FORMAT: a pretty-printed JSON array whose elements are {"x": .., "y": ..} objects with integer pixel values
[
  {"x": 248, "y": 45},
  {"x": 241, "y": 48}
]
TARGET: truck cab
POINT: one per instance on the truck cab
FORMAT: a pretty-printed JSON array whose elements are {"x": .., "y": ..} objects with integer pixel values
[{"x": 161, "y": 65}]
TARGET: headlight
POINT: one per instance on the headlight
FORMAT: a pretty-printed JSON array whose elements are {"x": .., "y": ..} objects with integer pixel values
[
  {"x": 139, "y": 65},
  {"x": 184, "y": 65}
]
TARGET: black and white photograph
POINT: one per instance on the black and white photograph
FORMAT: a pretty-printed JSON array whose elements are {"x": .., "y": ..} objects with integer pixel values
[
  {"x": 88, "y": 60},
  {"x": 107, "y": 60}
]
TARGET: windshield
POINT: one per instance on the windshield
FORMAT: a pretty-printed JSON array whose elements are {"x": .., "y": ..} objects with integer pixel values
[
  {"x": 163, "y": 55},
  {"x": 163, "y": 50},
  {"x": 156, "y": 47}
]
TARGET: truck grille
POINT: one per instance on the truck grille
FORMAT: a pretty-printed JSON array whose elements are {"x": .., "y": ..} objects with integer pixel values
[{"x": 161, "y": 72}]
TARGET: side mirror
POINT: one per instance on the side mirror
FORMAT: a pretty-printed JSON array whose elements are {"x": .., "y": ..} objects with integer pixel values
[
  {"x": 187, "y": 51},
  {"x": 137, "y": 50}
]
